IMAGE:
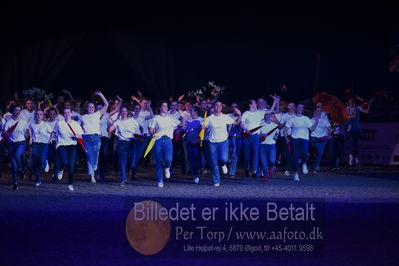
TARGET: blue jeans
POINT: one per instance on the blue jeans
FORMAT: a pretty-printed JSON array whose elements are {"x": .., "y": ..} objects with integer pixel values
[
  {"x": 67, "y": 155},
  {"x": 234, "y": 151},
  {"x": 219, "y": 152},
  {"x": 39, "y": 157},
  {"x": 92, "y": 145},
  {"x": 194, "y": 152},
  {"x": 267, "y": 154},
  {"x": 53, "y": 157},
  {"x": 102, "y": 158},
  {"x": 251, "y": 143},
  {"x": 319, "y": 146},
  {"x": 299, "y": 149},
  {"x": 136, "y": 155},
  {"x": 163, "y": 153},
  {"x": 15, "y": 151},
  {"x": 125, "y": 150}
]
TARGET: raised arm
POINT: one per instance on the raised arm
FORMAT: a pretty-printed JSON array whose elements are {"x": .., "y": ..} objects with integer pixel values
[
  {"x": 105, "y": 102},
  {"x": 366, "y": 111},
  {"x": 273, "y": 106},
  {"x": 67, "y": 92},
  {"x": 118, "y": 107}
]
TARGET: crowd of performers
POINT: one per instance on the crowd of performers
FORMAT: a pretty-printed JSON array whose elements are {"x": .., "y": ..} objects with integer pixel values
[{"x": 197, "y": 136}]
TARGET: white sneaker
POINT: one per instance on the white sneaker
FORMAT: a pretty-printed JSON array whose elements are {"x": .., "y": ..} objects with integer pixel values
[
  {"x": 70, "y": 188},
  {"x": 167, "y": 173},
  {"x": 287, "y": 173},
  {"x": 59, "y": 174},
  {"x": 196, "y": 180},
  {"x": 296, "y": 177},
  {"x": 160, "y": 184},
  {"x": 47, "y": 167},
  {"x": 38, "y": 184},
  {"x": 224, "y": 169},
  {"x": 93, "y": 180},
  {"x": 216, "y": 185},
  {"x": 304, "y": 169}
]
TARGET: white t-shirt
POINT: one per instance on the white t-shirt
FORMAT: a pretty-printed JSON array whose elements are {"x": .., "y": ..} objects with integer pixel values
[
  {"x": 299, "y": 127},
  {"x": 185, "y": 115},
  {"x": 251, "y": 120},
  {"x": 322, "y": 128},
  {"x": 140, "y": 121},
  {"x": 91, "y": 123},
  {"x": 104, "y": 125},
  {"x": 53, "y": 123},
  {"x": 176, "y": 115},
  {"x": 164, "y": 126},
  {"x": 266, "y": 128},
  {"x": 41, "y": 132},
  {"x": 284, "y": 119},
  {"x": 65, "y": 136},
  {"x": 143, "y": 114},
  {"x": 75, "y": 116},
  {"x": 126, "y": 128},
  {"x": 19, "y": 132},
  {"x": 217, "y": 127},
  {"x": 28, "y": 116}
]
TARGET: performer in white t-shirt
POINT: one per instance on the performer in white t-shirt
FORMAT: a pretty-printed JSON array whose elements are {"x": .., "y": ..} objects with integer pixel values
[
  {"x": 40, "y": 134},
  {"x": 216, "y": 125},
  {"x": 267, "y": 150},
  {"x": 16, "y": 131},
  {"x": 300, "y": 126},
  {"x": 67, "y": 132},
  {"x": 104, "y": 137},
  {"x": 318, "y": 136},
  {"x": 52, "y": 156},
  {"x": 282, "y": 143},
  {"x": 91, "y": 135},
  {"x": 250, "y": 120},
  {"x": 162, "y": 127},
  {"x": 126, "y": 131}
]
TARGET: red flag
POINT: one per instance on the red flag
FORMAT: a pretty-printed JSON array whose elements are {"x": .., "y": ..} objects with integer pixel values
[
  {"x": 80, "y": 140},
  {"x": 9, "y": 131}
]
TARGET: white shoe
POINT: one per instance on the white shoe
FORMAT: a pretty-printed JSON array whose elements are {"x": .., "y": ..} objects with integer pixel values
[
  {"x": 59, "y": 174},
  {"x": 167, "y": 173},
  {"x": 296, "y": 177},
  {"x": 160, "y": 184},
  {"x": 47, "y": 167},
  {"x": 38, "y": 184},
  {"x": 70, "y": 188},
  {"x": 196, "y": 180},
  {"x": 216, "y": 185},
  {"x": 224, "y": 169},
  {"x": 287, "y": 173},
  {"x": 93, "y": 180},
  {"x": 304, "y": 169}
]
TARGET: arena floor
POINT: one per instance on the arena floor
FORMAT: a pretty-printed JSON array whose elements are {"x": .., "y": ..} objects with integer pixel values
[{"x": 47, "y": 225}]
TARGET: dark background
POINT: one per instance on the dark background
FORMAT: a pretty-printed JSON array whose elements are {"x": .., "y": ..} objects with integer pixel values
[{"x": 169, "y": 48}]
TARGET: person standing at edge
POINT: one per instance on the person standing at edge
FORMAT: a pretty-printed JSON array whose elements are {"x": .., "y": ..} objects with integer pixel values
[{"x": 16, "y": 143}]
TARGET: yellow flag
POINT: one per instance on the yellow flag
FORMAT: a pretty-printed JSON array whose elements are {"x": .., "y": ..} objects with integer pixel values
[
  {"x": 202, "y": 132},
  {"x": 150, "y": 145}
]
